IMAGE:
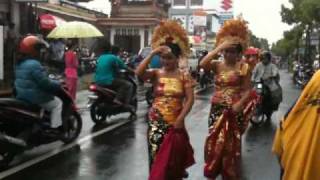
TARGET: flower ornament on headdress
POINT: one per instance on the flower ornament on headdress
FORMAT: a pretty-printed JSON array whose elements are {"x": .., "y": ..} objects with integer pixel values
[
  {"x": 235, "y": 30},
  {"x": 170, "y": 31}
]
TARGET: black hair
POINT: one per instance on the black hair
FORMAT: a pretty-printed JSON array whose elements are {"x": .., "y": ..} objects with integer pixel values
[
  {"x": 175, "y": 49},
  {"x": 115, "y": 50},
  {"x": 71, "y": 43},
  {"x": 103, "y": 46},
  {"x": 267, "y": 55},
  {"x": 239, "y": 48}
]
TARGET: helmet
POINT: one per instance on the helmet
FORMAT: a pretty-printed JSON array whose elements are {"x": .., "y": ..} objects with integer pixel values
[
  {"x": 31, "y": 45},
  {"x": 267, "y": 55},
  {"x": 251, "y": 51}
]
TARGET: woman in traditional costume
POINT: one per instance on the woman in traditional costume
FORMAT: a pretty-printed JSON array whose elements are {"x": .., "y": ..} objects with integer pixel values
[
  {"x": 170, "y": 152},
  {"x": 232, "y": 103},
  {"x": 297, "y": 140}
]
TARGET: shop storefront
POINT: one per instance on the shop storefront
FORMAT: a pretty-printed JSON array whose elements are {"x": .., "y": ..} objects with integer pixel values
[{"x": 8, "y": 36}]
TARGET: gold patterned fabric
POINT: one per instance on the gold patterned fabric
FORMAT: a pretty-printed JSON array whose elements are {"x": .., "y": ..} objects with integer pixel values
[
  {"x": 223, "y": 144},
  {"x": 167, "y": 105}
]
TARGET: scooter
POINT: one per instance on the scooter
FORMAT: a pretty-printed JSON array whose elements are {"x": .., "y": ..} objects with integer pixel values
[
  {"x": 24, "y": 126},
  {"x": 261, "y": 112},
  {"x": 101, "y": 103}
]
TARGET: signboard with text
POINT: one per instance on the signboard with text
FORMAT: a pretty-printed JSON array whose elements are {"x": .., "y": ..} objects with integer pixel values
[
  {"x": 181, "y": 19},
  {"x": 223, "y": 16}
]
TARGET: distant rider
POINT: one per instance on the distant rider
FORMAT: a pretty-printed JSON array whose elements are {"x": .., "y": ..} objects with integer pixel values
[
  {"x": 268, "y": 73},
  {"x": 106, "y": 71}
]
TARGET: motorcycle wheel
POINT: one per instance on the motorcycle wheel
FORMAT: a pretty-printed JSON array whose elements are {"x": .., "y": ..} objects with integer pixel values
[
  {"x": 97, "y": 114},
  {"x": 5, "y": 159},
  {"x": 74, "y": 121},
  {"x": 133, "y": 116}
]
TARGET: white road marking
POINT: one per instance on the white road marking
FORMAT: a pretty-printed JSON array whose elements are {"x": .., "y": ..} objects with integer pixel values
[
  {"x": 62, "y": 148},
  {"x": 58, "y": 150}
]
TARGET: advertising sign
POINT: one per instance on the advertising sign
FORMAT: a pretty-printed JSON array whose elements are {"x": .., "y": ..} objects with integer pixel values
[
  {"x": 181, "y": 19},
  {"x": 223, "y": 16},
  {"x": 200, "y": 20},
  {"x": 1, "y": 52}
]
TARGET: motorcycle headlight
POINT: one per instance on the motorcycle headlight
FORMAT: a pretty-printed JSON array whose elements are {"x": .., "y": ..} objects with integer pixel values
[{"x": 259, "y": 86}]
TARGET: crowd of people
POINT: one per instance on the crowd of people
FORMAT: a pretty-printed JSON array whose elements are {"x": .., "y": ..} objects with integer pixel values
[{"x": 234, "y": 66}]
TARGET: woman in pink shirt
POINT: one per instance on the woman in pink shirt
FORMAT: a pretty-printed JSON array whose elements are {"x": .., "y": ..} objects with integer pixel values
[{"x": 71, "y": 70}]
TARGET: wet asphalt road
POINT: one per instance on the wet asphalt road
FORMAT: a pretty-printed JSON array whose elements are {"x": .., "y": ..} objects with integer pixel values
[{"x": 121, "y": 154}]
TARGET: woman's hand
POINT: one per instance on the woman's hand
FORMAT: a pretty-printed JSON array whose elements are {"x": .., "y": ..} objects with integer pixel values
[
  {"x": 161, "y": 50},
  {"x": 237, "y": 107},
  {"x": 226, "y": 44}
]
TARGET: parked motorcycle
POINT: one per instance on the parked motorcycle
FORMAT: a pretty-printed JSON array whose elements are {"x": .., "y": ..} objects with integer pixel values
[
  {"x": 101, "y": 103},
  {"x": 24, "y": 126},
  {"x": 302, "y": 74}
]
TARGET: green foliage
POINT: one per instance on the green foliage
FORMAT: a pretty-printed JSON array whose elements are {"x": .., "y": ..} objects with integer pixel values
[
  {"x": 260, "y": 43},
  {"x": 311, "y": 10}
]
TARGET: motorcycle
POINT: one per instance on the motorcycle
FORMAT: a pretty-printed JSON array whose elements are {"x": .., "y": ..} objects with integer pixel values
[
  {"x": 24, "y": 127},
  {"x": 302, "y": 75},
  {"x": 261, "y": 111},
  {"x": 101, "y": 103}
]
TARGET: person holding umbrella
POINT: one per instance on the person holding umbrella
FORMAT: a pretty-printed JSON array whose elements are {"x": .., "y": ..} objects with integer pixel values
[{"x": 71, "y": 70}]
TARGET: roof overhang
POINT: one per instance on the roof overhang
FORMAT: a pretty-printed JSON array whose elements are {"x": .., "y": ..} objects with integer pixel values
[{"x": 128, "y": 21}]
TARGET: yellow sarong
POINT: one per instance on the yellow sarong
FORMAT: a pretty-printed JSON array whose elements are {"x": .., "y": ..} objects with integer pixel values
[{"x": 297, "y": 140}]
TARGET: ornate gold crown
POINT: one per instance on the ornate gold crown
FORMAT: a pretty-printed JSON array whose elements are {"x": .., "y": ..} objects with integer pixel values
[
  {"x": 171, "y": 31},
  {"x": 235, "y": 30}
]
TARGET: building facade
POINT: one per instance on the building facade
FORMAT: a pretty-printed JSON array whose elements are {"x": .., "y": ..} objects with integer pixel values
[
  {"x": 20, "y": 17},
  {"x": 132, "y": 22},
  {"x": 183, "y": 11}
]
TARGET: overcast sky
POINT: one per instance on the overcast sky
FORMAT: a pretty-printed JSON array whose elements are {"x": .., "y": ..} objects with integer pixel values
[{"x": 263, "y": 15}]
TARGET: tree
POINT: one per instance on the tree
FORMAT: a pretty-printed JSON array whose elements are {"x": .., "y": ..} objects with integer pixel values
[
  {"x": 260, "y": 43},
  {"x": 305, "y": 14}
]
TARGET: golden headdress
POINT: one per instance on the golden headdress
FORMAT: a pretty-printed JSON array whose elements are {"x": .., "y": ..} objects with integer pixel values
[
  {"x": 234, "y": 30},
  {"x": 171, "y": 31}
]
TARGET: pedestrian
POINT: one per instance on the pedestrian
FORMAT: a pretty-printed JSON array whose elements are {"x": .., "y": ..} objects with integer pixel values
[
  {"x": 230, "y": 108},
  {"x": 71, "y": 70},
  {"x": 251, "y": 55},
  {"x": 296, "y": 141},
  {"x": 170, "y": 152}
]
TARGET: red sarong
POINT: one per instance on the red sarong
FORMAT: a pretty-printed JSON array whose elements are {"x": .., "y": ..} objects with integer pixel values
[
  {"x": 174, "y": 156},
  {"x": 223, "y": 144}
]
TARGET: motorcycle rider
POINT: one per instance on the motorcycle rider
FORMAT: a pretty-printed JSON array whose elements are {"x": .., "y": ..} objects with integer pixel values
[
  {"x": 268, "y": 73},
  {"x": 107, "y": 68},
  {"x": 32, "y": 84}
]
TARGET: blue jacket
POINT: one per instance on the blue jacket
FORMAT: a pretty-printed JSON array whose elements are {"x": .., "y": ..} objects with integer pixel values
[
  {"x": 32, "y": 83},
  {"x": 107, "y": 68}
]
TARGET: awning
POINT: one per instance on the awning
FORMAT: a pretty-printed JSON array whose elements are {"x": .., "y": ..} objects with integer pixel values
[{"x": 49, "y": 21}]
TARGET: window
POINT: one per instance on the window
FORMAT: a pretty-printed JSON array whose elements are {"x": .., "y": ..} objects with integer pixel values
[
  {"x": 196, "y": 2},
  {"x": 179, "y": 3}
]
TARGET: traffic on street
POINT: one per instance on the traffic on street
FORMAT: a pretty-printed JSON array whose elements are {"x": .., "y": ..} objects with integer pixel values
[{"x": 159, "y": 90}]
